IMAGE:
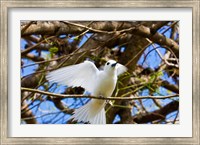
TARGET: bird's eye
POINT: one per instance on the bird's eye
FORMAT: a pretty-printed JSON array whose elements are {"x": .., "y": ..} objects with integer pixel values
[{"x": 108, "y": 63}]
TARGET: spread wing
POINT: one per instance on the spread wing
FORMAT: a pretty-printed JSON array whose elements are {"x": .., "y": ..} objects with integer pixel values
[
  {"x": 82, "y": 74},
  {"x": 121, "y": 69}
]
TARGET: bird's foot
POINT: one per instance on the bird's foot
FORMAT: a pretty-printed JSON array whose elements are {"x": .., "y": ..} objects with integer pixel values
[
  {"x": 100, "y": 96},
  {"x": 109, "y": 102}
]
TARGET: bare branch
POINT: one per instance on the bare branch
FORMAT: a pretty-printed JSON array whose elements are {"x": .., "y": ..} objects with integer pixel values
[
  {"x": 65, "y": 27},
  {"x": 157, "y": 114},
  {"x": 53, "y": 95},
  {"x": 32, "y": 47},
  {"x": 33, "y": 57},
  {"x": 28, "y": 114}
]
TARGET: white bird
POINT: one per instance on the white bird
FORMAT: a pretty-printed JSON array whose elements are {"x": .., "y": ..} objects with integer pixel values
[{"x": 97, "y": 82}]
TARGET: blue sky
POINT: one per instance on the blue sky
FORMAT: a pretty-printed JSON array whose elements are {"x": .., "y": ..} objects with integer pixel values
[{"x": 56, "y": 116}]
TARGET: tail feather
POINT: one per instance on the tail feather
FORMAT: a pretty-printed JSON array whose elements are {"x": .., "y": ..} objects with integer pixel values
[
  {"x": 80, "y": 114},
  {"x": 93, "y": 112}
]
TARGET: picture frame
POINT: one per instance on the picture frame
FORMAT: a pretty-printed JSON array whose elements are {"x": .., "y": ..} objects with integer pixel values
[{"x": 4, "y": 88}]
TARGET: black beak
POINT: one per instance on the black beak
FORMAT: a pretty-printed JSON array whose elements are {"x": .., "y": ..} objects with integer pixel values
[{"x": 114, "y": 64}]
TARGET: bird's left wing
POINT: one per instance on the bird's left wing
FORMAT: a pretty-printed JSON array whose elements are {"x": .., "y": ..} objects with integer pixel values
[
  {"x": 120, "y": 69},
  {"x": 83, "y": 74}
]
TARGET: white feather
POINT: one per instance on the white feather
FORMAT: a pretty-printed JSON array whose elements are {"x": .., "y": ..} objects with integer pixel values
[
  {"x": 120, "y": 69},
  {"x": 98, "y": 83},
  {"x": 91, "y": 112},
  {"x": 82, "y": 74}
]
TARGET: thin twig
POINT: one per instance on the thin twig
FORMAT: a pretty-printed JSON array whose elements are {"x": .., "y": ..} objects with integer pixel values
[
  {"x": 150, "y": 42},
  {"x": 99, "y": 31},
  {"x": 33, "y": 46},
  {"x": 40, "y": 62},
  {"x": 164, "y": 47},
  {"x": 53, "y": 95},
  {"x": 174, "y": 23}
]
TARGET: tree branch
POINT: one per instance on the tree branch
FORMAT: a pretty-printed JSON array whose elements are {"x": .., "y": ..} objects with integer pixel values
[
  {"x": 65, "y": 27},
  {"x": 28, "y": 114},
  {"x": 157, "y": 114},
  {"x": 53, "y": 95},
  {"x": 171, "y": 87},
  {"x": 33, "y": 57},
  {"x": 27, "y": 50}
]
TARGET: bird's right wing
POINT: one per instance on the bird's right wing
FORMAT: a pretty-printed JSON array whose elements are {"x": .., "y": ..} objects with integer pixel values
[{"x": 83, "y": 74}]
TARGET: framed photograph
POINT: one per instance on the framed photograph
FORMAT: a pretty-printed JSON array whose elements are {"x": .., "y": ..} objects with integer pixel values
[{"x": 100, "y": 72}]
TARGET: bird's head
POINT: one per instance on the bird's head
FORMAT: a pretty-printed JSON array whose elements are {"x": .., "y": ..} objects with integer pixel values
[{"x": 110, "y": 66}]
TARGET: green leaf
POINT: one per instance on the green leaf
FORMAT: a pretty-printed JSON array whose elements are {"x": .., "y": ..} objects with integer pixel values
[
  {"x": 53, "y": 49},
  {"x": 160, "y": 73},
  {"x": 76, "y": 38}
]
